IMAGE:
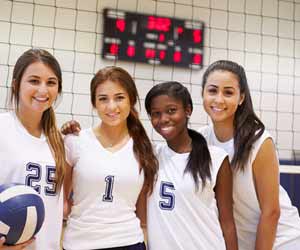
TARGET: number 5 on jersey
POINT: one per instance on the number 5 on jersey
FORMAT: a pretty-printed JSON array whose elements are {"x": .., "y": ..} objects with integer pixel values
[{"x": 168, "y": 198}]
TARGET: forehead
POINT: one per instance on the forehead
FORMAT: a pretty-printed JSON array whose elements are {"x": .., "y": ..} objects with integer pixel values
[
  {"x": 162, "y": 101},
  {"x": 39, "y": 69},
  {"x": 110, "y": 87},
  {"x": 222, "y": 78}
]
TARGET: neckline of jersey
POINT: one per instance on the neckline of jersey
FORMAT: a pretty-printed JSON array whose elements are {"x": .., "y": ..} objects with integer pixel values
[
  {"x": 24, "y": 130},
  {"x": 218, "y": 142},
  {"x": 127, "y": 144}
]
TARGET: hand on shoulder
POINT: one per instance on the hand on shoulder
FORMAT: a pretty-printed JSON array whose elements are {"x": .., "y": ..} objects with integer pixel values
[{"x": 70, "y": 127}]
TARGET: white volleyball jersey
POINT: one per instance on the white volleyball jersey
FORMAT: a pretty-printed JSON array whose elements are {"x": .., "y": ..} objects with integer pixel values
[
  {"x": 28, "y": 160},
  {"x": 106, "y": 186},
  {"x": 180, "y": 217},
  {"x": 246, "y": 205}
]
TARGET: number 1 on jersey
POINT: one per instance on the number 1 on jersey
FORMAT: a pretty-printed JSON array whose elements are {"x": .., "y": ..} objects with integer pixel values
[{"x": 108, "y": 197}]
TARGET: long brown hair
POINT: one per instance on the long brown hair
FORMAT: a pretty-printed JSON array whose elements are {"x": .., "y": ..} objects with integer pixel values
[
  {"x": 48, "y": 119},
  {"x": 247, "y": 126},
  {"x": 141, "y": 143}
]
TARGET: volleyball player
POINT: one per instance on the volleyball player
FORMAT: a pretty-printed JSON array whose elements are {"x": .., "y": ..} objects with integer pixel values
[
  {"x": 264, "y": 216},
  {"x": 191, "y": 204},
  {"x": 111, "y": 169},
  {"x": 31, "y": 148}
]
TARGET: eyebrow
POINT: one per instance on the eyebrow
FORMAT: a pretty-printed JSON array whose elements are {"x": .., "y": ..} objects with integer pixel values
[
  {"x": 51, "y": 78},
  {"x": 166, "y": 107},
  {"x": 215, "y": 86},
  {"x": 118, "y": 94},
  {"x": 172, "y": 105}
]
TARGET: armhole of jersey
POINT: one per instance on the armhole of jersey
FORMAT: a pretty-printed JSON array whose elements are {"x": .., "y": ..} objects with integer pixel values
[
  {"x": 219, "y": 156},
  {"x": 257, "y": 145},
  {"x": 223, "y": 159}
]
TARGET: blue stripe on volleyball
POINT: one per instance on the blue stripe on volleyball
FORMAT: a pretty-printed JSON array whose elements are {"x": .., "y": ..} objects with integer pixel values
[
  {"x": 24, "y": 199},
  {"x": 28, "y": 200},
  {"x": 15, "y": 219}
]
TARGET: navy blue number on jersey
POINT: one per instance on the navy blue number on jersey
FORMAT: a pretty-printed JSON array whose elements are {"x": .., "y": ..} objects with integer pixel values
[
  {"x": 50, "y": 179},
  {"x": 108, "y": 197},
  {"x": 34, "y": 176},
  {"x": 33, "y": 179},
  {"x": 168, "y": 198}
]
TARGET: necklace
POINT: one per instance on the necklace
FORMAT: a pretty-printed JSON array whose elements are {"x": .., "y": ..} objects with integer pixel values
[
  {"x": 120, "y": 142},
  {"x": 107, "y": 143}
]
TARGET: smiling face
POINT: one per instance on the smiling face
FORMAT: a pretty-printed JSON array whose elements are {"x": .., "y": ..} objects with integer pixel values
[
  {"x": 112, "y": 103},
  {"x": 221, "y": 96},
  {"x": 169, "y": 118},
  {"x": 38, "y": 88}
]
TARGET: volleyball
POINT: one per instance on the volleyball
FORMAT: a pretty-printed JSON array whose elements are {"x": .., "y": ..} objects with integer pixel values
[{"x": 22, "y": 213}]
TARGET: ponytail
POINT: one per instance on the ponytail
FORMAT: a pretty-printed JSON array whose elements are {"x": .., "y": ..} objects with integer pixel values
[
  {"x": 199, "y": 160},
  {"x": 56, "y": 145},
  {"x": 143, "y": 150}
]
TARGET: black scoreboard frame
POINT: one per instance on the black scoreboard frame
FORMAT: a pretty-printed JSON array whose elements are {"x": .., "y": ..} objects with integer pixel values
[{"x": 153, "y": 39}]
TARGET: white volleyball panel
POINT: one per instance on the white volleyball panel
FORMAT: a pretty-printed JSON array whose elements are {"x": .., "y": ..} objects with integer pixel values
[
  {"x": 30, "y": 225},
  {"x": 4, "y": 229}
]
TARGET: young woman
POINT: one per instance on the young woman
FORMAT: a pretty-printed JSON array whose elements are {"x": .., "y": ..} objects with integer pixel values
[
  {"x": 191, "y": 204},
  {"x": 31, "y": 148},
  {"x": 112, "y": 168},
  {"x": 264, "y": 216}
]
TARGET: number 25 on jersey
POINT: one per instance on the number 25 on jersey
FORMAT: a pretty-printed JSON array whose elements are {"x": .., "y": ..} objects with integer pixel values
[{"x": 34, "y": 178}]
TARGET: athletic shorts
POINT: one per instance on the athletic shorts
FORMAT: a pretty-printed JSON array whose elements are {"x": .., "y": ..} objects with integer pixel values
[{"x": 138, "y": 246}]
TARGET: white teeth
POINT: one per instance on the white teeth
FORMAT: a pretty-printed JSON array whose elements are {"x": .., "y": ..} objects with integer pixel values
[
  {"x": 166, "y": 128},
  {"x": 41, "y": 99},
  {"x": 112, "y": 115},
  {"x": 217, "y": 109}
]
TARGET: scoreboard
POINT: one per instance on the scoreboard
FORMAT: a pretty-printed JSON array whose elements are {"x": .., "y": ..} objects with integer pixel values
[{"x": 152, "y": 39}]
